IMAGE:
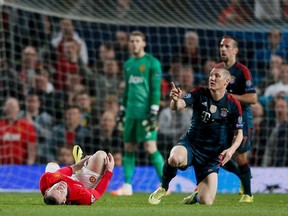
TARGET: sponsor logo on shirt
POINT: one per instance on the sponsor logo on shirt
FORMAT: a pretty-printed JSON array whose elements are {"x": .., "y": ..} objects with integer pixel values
[
  {"x": 135, "y": 79},
  {"x": 11, "y": 137}
]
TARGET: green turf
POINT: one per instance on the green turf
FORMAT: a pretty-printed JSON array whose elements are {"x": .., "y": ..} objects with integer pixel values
[{"x": 31, "y": 204}]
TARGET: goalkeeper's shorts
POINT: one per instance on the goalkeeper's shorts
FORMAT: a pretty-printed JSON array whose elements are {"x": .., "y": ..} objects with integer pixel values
[{"x": 134, "y": 131}]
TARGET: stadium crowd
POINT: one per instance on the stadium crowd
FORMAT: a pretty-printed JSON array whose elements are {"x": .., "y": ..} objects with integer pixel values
[{"x": 58, "y": 95}]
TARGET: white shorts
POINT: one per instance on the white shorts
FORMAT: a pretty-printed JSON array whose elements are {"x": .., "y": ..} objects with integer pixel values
[{"x": 87, "y": 177}]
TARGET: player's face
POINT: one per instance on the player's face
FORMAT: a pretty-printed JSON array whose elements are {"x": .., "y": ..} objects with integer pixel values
[
  {"x": 137, "y": 44},
  {"x": 217, "y": 79},
  {"x": 59, "y": 191},
  {"x": 228, "y": 50}
]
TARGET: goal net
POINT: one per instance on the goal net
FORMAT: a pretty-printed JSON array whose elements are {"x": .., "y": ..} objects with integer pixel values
[{"x": 58, "y": 54}]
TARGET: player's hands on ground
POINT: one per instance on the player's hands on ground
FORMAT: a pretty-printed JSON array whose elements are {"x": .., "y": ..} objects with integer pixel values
[
  {"x": 109, "y": 162},
  {"x": 175, "y": 93},
  {"x": 226, "y": 155}
]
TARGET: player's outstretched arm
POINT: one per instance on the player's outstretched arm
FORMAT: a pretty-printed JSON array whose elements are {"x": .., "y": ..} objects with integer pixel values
[
  {"x": 228, "y": 153},
  {"x": 177, "y": 102}
]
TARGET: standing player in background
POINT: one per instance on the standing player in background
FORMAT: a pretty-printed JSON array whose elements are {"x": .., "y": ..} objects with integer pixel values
[
  {"x": 140, "y": 106},
  {"x": 242, "y": 89}
]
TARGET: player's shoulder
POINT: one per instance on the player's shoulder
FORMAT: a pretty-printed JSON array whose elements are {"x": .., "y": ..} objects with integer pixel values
[
  {"x": 241, "y": 66},
  {"x": 233, "y": 100},
  {"x": 151, "y": 57}
]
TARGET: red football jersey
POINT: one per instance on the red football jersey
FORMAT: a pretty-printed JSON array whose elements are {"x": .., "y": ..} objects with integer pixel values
[
  {"x": 14, "y": 141},
  {"x": 78, "y": 194}
]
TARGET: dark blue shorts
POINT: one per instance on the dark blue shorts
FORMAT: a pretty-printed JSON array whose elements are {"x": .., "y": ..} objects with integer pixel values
[{"x": 203, "y": 163}]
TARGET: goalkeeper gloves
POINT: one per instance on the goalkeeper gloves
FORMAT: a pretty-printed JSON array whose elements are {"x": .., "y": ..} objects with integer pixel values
[{"x": 151, "y": 124}]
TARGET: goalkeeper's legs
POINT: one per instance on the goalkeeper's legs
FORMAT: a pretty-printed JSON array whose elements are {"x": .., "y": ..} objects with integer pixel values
[
  {"x": 156, "y": 157},
  {"x": 129, "y": 160}
]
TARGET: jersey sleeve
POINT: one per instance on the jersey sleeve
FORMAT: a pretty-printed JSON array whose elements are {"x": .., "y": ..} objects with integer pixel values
[
  {"x": 247, "y": 80},
  {"x": 192, "y": 96},
  {"x": 66, "y": 171},
  {"x": 155, "y": 82},
  {"x": 237, "y": 117},
  {"x": 91, "y": 195}
]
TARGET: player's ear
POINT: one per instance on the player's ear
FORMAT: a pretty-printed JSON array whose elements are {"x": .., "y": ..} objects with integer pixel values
[{"x": 236, "y": 50}]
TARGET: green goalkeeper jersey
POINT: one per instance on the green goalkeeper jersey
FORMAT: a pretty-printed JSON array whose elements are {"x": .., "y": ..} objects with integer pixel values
[{"x": 142, "y": 86}]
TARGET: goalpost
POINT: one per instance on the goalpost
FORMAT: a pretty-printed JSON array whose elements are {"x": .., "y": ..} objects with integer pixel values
[{"x": 165, "y": 23}]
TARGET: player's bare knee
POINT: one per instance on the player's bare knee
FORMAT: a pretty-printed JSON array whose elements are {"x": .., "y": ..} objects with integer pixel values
[
  {"x": 206, "y": 200},
  {"x": 173, "y": 160}
]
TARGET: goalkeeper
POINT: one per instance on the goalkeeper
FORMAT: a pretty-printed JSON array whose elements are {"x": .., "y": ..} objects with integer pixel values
[{"x": 139, "y": 107}]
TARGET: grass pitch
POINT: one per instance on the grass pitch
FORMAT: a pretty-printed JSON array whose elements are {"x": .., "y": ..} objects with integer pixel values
[{"x": 137, "y": 205}]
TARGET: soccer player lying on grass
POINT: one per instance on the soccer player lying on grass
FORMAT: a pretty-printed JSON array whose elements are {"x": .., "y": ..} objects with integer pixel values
[
  {"x": 204, "y": 145},
  {"x": 80, "y": 184}
]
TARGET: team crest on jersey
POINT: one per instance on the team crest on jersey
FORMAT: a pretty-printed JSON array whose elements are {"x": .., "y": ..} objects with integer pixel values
[
  {"x": 92, "y": 179},
  {"x": 213, "y": 108},
  {"x": 142, "y": 68},
  {"x": 224, "y": 112},
  {"x": 232, "y": 79}
]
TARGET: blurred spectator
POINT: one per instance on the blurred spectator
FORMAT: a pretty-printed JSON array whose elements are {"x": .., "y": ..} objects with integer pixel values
[
  {"x": 18, "y": 141},
  {"x": 190, "y": 54},
  {"x": 281, "y": 85},
  {"x": 42, "y": 79},
  {"x": 174, "y": 71},
  {"x": 73, "y": 85},
  {"x": 42, "y": 122},
  {"x": 267, "y": 10},
  {"x": 272, "y": 74},
  {"x": 106, "y": 52},
  {"x": 11, "y": 84},
  {"x": 70, "y": 133},
  {"x": 276, "y": 153},
  {"x": 275, "y": 45},
  {"x": 67, "y": 33},
  {"x": 28, "y": 65},
  {"x": 65, "y": 156},
  {"x": 187, "y": 78},
  {"x": 71, "y": 62},
  {"x": 111, "y": 104},
  {"x": 201, "y": 78},
  {"x": 89, "y": 116},
  {"x": 118, "y": 157},
  {"x": 107, "y": 138},
  {"x": 235, "y": 13},
  {"x": 121, "y": 46},
  {"x": 260, "y": 134},
  {"x": 107, "y": 83},
  {"x": 121, "y": 88}
]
